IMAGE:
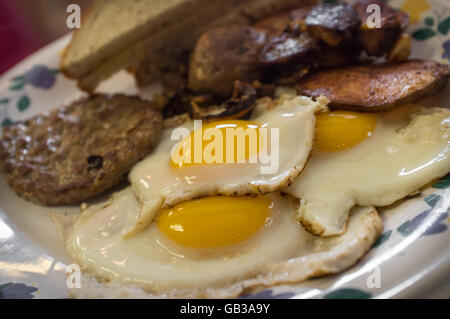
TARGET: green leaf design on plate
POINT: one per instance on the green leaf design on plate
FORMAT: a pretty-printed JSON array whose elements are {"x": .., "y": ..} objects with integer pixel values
[
  {"x": 443, "y": 183},
  {"x": 17, "y": 86},
  {"x": 429, "y": 21},
  {"x": 383, "y": 237},
  {"x": 423, "y": 34},
  {"x": 23, "y": 103},
  {"x": 404, "y": 229},
  {"x": 4, "y": 101},
  {"x": 444, "y": 26},
  {"x": 432, "y": 199},
  {"x": 348, "y": 293},
  {"x": 6, "y": 122},
  {"x": 54, "y": 71},
  {"x": 18, "y": 78}
]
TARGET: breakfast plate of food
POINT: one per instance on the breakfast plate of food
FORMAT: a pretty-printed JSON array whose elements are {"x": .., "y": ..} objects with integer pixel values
[{"x": 230, "y": 149}]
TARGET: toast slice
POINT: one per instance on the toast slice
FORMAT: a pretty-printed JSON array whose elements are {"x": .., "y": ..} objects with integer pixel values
[{"x": 118, "y": 34}]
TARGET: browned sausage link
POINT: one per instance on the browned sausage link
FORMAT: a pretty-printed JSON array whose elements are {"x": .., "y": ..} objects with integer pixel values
[
  {"x": 298, "y": 19},
  {"x": 332, "y": 23},
  {"x": 379, "y": 41},
  {"x": 345, "y": 53},
  {"x": 275, "y": 25},
  {"x": 288, "y": 49}
]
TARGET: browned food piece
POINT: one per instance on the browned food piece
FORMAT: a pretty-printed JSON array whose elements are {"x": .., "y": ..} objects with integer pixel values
[
  {"x": 299, "y": 16},
  {"x": 298, "y": 20},
  {"x": 289, "y": 49},
  {"x": 376, "y": 88},
  {"x": 378, "y": 41},
  {"x": 169, "y": 69},
  {"x": 345, "y": 53},
  {"x": 239, "y": 106},
  {"x": 223, "y": 55},
  {"x": 289, "y": 21},
  {"x": 78, "y": 151},
  {"x": 208, "y": 107},
  {"x": 264, "y": 89},
  {"x": 288, "y": 57},
  {"x": 180, "y": 101},
  {"x": 174, "y": 103},
  {"x": 333, "y": 23},
  {"x": 274, "y": 25}
]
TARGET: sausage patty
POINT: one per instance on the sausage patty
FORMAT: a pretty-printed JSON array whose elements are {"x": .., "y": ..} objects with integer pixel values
[{"x": 78, "y": 151}]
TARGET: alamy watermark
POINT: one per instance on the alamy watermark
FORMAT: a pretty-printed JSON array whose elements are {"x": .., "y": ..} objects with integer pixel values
[
  {"x": 238, "y": 145},
  {"x": 73, "y": 276},
  {"x": 374, "y": 19},
  {"x": 73, "y": 20},
  {"x": 374, "y": 279}
]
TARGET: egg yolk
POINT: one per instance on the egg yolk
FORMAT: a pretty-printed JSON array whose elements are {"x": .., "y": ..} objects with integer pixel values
[
  {"x": 340, "y": 130},
  {"x": 215, "y": 221},
  {"x": 228, "y": 141}
]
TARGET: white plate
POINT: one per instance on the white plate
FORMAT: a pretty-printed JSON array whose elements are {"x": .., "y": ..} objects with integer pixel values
[{"x": 412, "y": 257}]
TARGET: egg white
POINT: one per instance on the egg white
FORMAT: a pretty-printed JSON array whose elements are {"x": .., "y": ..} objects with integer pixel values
[
  {"x": 147, "y": 266},
  {"x": 409, "y": 148},
  {"x": 155, "y": 183}
]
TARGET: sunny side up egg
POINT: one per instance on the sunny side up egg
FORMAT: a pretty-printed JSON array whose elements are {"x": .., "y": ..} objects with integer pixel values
[
  {"x": 187, "y": 250},
  {"x": 214, "y": 246},
  {"x": 246, "y": 242},
  {"x": 171, "y": 174},
  {"x": 369, "y": 160}
]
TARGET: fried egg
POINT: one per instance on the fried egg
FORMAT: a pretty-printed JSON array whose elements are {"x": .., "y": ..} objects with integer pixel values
[
  {"x": 369, "y": 160},
  {"x": 197, "y": 250},
  {"x": 212, "y": 246},
  {"x": 173, "y": 172}
]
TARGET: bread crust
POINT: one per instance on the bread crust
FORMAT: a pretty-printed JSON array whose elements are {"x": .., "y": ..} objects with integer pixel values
[{"x": 75, "y": 33}]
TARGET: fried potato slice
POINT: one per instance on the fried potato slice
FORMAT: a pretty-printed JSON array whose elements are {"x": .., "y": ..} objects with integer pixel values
[{"x": 376, "y": 88}]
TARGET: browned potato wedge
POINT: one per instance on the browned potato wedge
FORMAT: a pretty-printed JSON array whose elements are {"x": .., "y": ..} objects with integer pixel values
[{"x": 376, "y": 88}]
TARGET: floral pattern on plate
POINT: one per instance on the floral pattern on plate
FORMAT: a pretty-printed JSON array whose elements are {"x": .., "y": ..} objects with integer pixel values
[{"x": 413, "y": 245}]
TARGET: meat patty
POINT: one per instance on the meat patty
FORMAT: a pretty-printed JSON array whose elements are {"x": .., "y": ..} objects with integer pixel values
[
  {"x": 224, "y": 55},
  {"x": 78, "y": 151},
  {"x": 376, "y": 88}
]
